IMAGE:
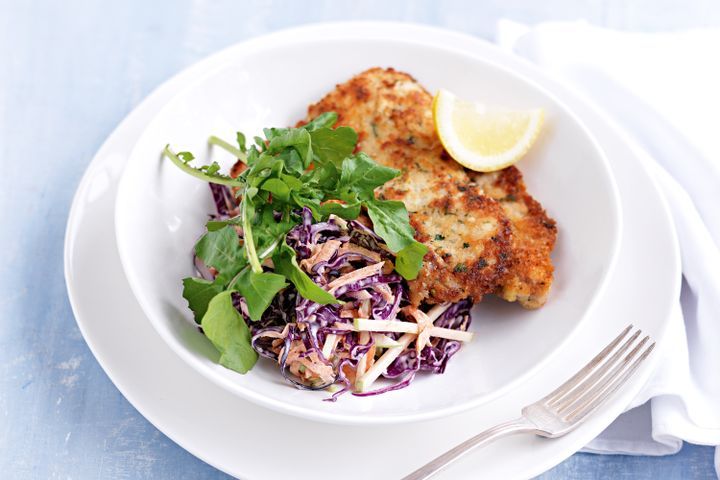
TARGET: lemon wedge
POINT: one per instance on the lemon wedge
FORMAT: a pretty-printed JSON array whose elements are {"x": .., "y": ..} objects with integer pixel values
[{"x": 482, "y": 138}]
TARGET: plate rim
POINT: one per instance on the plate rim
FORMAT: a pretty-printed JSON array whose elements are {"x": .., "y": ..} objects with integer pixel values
[
  {"x": 468, "y": 40},
  {"x": 265, "y": 42}
]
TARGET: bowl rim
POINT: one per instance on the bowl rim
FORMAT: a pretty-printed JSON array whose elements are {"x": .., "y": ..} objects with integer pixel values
[{"x": 313, "y": 33}]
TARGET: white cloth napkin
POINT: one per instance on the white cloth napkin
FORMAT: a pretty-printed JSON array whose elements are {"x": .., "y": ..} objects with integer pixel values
[{"x": 664, "y": 89}]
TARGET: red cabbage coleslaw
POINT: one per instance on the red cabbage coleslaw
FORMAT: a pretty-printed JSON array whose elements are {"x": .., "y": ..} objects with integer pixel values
[{"x": 373, "y": 334}]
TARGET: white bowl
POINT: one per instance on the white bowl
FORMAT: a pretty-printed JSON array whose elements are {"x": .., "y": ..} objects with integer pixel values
[{"x": 161, "y": 213}]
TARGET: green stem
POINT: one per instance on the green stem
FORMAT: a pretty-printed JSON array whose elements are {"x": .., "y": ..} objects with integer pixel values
[
  {"x": 271, "y": 248},
  {"x": 261, "y": 257},
  {"x": 247, "y": 236},
  {"x": 221, "y": 180},
  {"x": 213, "y": 140},
  {"x": 231, "y": 285}
]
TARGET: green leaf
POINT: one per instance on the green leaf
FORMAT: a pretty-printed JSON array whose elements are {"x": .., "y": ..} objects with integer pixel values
[
  {"x": 252, "y": 155},
  {"x": 273, "y": 132},
  {"x": 312, "y": 203},
  {"x": 361, "y": 174},
  {"x": 323, "y": 178},
  {"x": 198, "y": 292},
  {"x": 221, "y": 250},
  {"x": 409, "y": 260},
  {"x": 390, "y": 221},
  {"x": 258, "y": 289},
  {"x": 324, "y": 120},
  {"x": 264, "y": 167},
  {"x": 226, "y": 329},
  {"x": 240, "y": 138},
  {"x": 297, "y": 138},
  {"x": 286, "y": 264},
  {"x": 348, "y": 211},
  {"x": 333, "y": 145},
  {"x": 293, "y": 183},
  {"x": 211, "y": 169},
  {"x": 278, "y": 188},
  {"x": 215, "y": 225},
  {"x": 269, "y": 232},
  {"x": 292, "y": 162},
  {"x": 186, "y": 157}
]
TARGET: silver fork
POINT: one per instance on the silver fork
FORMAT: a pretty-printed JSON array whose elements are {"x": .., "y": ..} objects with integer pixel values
[{"x": 566, "y": 407}]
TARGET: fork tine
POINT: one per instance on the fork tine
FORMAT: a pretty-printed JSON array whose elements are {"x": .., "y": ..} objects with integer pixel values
[
  {"x": 587, "y": 383},
  {"x": 575, "y": 379},
  {"x": 597, "y": 381},
  {"x": 595, "y": 398}
]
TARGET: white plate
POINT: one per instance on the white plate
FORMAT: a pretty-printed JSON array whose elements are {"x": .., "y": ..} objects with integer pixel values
[
  {"x": 161, "y": 212},
  {"x": 237, "y": 436}
]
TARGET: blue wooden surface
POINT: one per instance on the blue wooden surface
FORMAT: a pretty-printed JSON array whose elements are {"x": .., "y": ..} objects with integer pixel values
[{"x": 69, "y": 72}]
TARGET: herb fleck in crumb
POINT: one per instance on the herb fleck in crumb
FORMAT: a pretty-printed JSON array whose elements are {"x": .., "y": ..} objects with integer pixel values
[
  {"x": 460, "y": 267},
  {"x": 439, "y": 237},
  {"x": 466, "y": 245}
]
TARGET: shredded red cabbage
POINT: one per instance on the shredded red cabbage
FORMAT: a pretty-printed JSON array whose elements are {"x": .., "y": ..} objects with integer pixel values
[
  {"x": 225, "y": 202},
  {"x": 294, "y": 330}
]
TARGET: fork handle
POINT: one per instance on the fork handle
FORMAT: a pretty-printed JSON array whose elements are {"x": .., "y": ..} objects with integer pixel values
[{"x": 519, "y": 425}]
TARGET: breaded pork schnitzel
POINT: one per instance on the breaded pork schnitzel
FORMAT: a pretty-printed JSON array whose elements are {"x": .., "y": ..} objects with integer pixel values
[{"x": 485, "y": 232}]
